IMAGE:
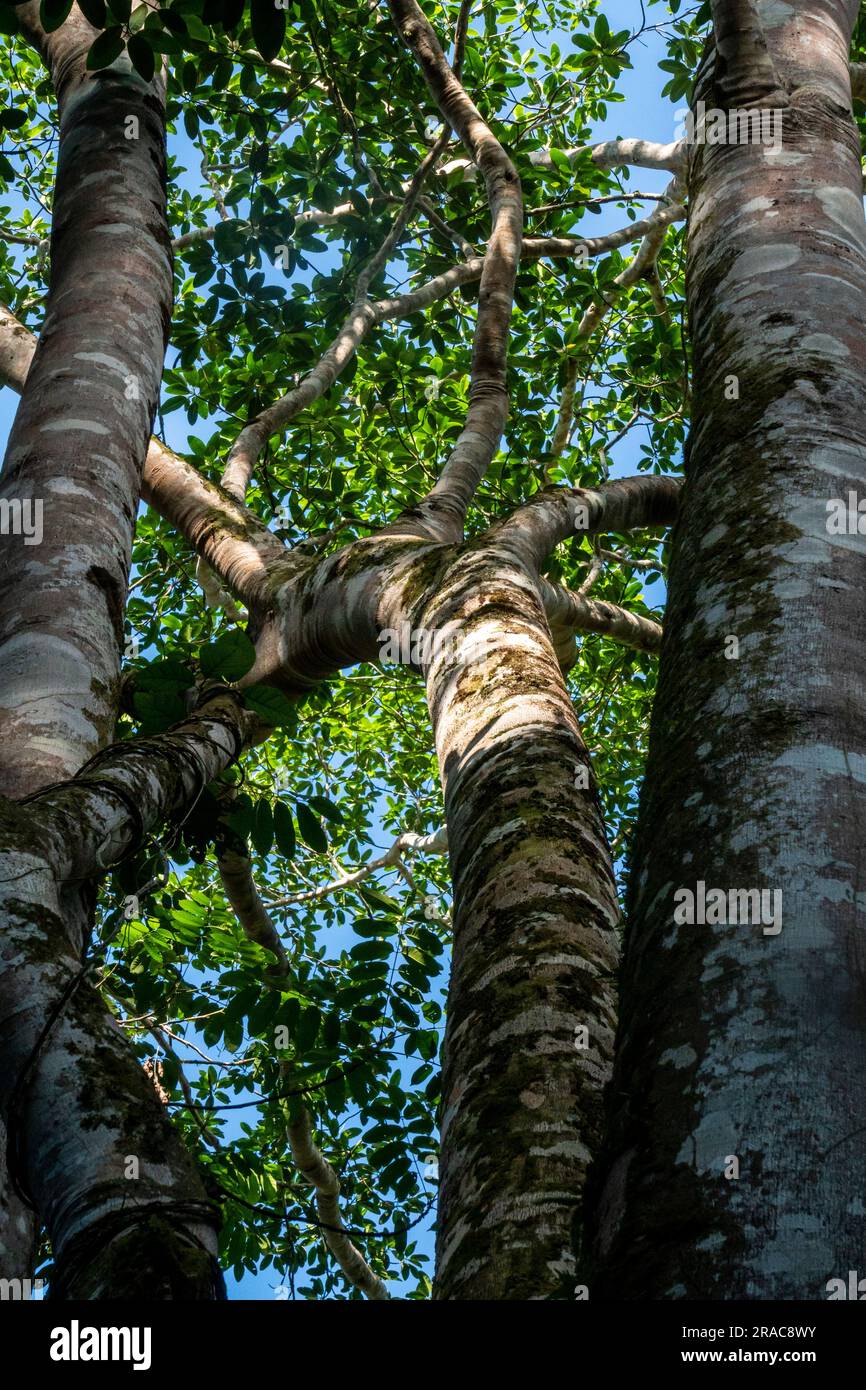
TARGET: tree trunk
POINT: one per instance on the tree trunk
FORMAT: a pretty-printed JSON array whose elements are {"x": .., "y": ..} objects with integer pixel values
[
  {"x": 90, "y": 1147},
  {"x": 81, "y": 431},
  {"x": 736, "y": 1163},
  {"x": 85, "y": 1142},
  {"x": 534, "y": 939}
]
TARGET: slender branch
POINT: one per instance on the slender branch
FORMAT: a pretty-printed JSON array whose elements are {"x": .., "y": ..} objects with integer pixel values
[
  {"x": 236, "y": 873},
  {"x": 643, "y": 264},
  {"x": 407, "y": 843},
  {"x": 569, "y": 612},
  {"x": 163, "y": 1038},
  {"x": 442, "y": 513},
  {"x": 322, "y": 1177},
  {"x": 251, "y": 440}
]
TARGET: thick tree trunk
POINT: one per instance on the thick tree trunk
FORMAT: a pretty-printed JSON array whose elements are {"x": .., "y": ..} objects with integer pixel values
[
  {"x": 81, "y": 431},
  {"x": 85, "y": 1143},
  {"x": 90, "y": 1146},
  {"x": 530, "y": 1013},
  {"x": 736, "y": 1165}
]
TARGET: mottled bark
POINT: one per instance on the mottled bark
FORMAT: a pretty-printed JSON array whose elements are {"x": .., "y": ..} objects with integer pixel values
[
  {"x": 80, "y": 434},
  {"x": 745, "y": 74},
  {"x": 75, "y": 452},
  {"x": 535, "y": 945},
  {"x": 90, "y": 1147},
  {"x": 743, "y": 1049}
]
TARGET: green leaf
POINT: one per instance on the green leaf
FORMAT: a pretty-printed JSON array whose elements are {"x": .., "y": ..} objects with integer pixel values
[
  {"x": 327, "y": 809},
  {"x": 311, "y": 829},
  {"x": 53, "y": 13},
  {"x": 229, "y": 657},
  {"x": 94, "y": 11},
  {"x": 141, "y": 56},
  {"x": 284, "y": 830},
  {"x": 373, "y": 926},
  {"x": 230, "y": 238},
  {"x": 12, "y": 119},
  {"x": 378, "y": 901},
  {"x": 308, "y": 1029},
  {"x": 105, "y": 49},
  {"x": 269, "y": 27},
  {"x": 167, "y": 673},
  {"x": 272, "y": 706},
  {"x": 263, "y": 827}
]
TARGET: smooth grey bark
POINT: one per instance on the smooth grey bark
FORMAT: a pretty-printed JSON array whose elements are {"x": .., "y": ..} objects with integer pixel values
[
  {"x": 74, "y": 1103},
  {"x": 80, "y": 434},
  {"x": 742, "y": 1050}
]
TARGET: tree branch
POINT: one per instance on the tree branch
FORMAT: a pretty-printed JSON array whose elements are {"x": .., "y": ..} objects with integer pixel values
[
  {"x": 250, "y": 442},
  {"x": 441, "y": 514},
  {"x": 568, "y": 612},
  {"x": 236, "y": 872},
  {"x": 407, "y": 843},
  {"x": 321, "y": 1176},
  {"x": 622, "y": 504},
  {"x": 233, "y": 542}
]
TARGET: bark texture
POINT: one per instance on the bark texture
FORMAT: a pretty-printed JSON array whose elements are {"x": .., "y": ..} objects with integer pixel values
[
  {"x": 535, "y": 946},
  {"x": 88, "y": 1144},
  {"x": 737, "y": 1043},
  {"x": 80, "y": 434}
]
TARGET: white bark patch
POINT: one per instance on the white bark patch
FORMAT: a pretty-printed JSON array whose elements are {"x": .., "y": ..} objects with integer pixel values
[
  {"x": 679, "y": 1057},
  {"x": 762, "y": 260},
  {"x": 104, "y": 358},
  {"x": 715, "y": 1241},
  {"x": 65, "y": 425},
  {"x": 787, "y": 159},
  {"x": 845, "y": 208},
  {"x": 773, "y": 13},
  {"x": 66, "y": 487},
  {"x": 566, "y": 1148},
  {"x": 760, "y": 204},
  {"x": 706, "y": 1149},
  {"x": 823, "y": 344},
  {"x": 820, "y": 760}
]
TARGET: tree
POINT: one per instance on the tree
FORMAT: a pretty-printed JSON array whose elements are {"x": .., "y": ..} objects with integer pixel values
[{"x": 411, "y": 374}]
